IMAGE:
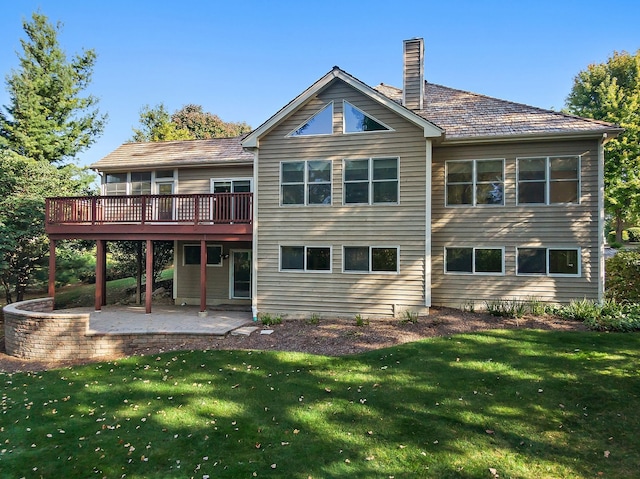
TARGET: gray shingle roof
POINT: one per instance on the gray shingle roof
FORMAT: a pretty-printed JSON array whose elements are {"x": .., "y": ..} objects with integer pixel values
[
  {"x": 132, "y": 156},
  {"x": 464, "y": 114}
]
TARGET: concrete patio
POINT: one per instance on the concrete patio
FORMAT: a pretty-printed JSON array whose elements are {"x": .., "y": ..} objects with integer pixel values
[{"x": 166, "y": 319}]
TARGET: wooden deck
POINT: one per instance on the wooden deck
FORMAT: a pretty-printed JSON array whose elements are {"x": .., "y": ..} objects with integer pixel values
[{"x": 167, "y": 217}]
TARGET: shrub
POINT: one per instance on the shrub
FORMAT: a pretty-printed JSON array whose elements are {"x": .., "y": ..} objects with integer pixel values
[
  {"x": 314, "y": 319},
  {"x": 360, "y": 321},
  {"x": 268, "y": 320},
  {"x": 582, "y": 310},
  {"x": 616, "y": 317},
  {"x": 410, "y": 317},
  {"x": 623, "y": 276},
  {"x": 507, "y": 308},
  {"x": 634, "y": 234}
]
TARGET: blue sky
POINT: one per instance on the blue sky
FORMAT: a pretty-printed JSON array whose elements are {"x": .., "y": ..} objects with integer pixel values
[{"x": 244, "y": 60}]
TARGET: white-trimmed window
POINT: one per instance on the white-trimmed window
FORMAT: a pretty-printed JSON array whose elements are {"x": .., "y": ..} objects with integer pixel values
[
  {"x": 191, "y": 254},
  {"x": 137, "y": 183},
  {"x": 371, "y": 181},
  {"x": 370, "y": 259},
  {"x": 549, "y": 180},
  {"x": 357, "y": 121},
  {"x": 115, "y": 184},
  {"x": 305, "y": 182},
  {"x": 548, "y": 261},
  {"x": 465, "y": 260},
  {"x": 474, "y": 182},
  {"x": 305, "y": 258},
  {"x": 321, "y": 123}
]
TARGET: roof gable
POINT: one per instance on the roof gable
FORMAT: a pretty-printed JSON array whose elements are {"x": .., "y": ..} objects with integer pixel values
[{"x": 252, "y": 139}]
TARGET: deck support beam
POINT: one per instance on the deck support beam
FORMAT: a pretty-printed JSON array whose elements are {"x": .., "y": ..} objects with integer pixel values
[
  {"x": 52, "y": 270},
  {"x": 203, "y": 276},
  {"x": 101, "y": 259},
  {"x": 149, "y": 277}
]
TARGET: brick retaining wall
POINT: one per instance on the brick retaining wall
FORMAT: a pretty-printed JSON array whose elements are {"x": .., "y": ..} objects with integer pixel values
[{"x": 33, "y": 330}]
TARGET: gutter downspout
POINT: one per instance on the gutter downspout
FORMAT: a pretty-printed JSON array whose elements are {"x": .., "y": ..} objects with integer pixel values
[{"x": 601, "y": 219}]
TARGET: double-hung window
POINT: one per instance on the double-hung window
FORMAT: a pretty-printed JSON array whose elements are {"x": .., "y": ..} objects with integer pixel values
[
  {"x": 305, "y": 182},
  {"x": 548, "y": 261},
  {"x": 474, "y": 182},
  {"x": 549, "y": 180},
  {"x": 371, "y": 181},
  {"x": 369, "y": 259},
  {"x": 305, "y": 258},
  {"x": 191, "y": 255},
  {"x": 474, "y": 260}
]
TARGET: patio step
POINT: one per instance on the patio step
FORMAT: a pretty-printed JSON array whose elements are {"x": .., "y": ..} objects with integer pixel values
[{"x": 244, "y": 331}]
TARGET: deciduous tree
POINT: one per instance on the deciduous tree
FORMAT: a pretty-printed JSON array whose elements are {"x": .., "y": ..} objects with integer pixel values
[
  {"x": 204, "y": 125},
  {"x": 156, "y": 125},
  {"x": 610, "y": 92}
]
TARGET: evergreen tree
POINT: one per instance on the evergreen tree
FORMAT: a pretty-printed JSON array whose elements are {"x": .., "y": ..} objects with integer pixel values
[{"x": 47, "y": 118}]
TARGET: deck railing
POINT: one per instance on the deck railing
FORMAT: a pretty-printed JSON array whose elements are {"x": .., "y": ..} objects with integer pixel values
[{"x": 214, "y": 208}]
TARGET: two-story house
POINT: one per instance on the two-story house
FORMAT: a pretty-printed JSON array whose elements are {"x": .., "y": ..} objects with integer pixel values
[{"x": 366, "y": 200}]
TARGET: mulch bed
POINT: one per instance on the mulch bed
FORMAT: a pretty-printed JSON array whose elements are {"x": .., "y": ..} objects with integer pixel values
[{"x": 333, "y": 337}]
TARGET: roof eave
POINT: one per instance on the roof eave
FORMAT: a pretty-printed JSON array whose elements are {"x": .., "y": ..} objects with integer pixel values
[
  {"x": 605, "y": 134},
  {"x": 430, "y": 130},
  {"x": 169, "y": 164}
]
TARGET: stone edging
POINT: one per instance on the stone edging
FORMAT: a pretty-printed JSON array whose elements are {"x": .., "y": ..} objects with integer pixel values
[{"x": 33, "y": 330}]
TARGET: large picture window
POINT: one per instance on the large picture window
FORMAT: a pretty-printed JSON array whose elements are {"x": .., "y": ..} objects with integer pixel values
[
  {"x": 305, "y": 182},
  {"x": 371, "y": 181},
  {"x": 305, "y": 258},
  {"x": 549, "y": 180},
  {"x": 369, "y": 259},
  {"x": 474, "y": 260},
  {"x": 548, "y": 261},
  {"x": 474, "y": 182},
  {"x": 191, "y": 255}
]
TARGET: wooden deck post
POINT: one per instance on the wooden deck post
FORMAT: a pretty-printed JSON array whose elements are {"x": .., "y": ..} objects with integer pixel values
[
  {"x": 203, "y": 276},
  {"x": 104, "y": 274},
  {"x": 149, "y": 277},
  {"x": 100, "y": 273},
  {"x": 52, "y": 269}
]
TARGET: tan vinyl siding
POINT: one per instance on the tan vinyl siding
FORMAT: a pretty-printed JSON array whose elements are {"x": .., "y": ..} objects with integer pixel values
[
  {"x": 512, "y": 226},
  {"x": 198, "y": 180},
  {"x": 188, "y": 285},
  {"x": 335, "y": 226}
]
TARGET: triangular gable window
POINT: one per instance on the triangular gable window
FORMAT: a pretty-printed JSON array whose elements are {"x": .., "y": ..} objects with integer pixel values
[
  {"x": 357, "y": 121},
  {"x": 319, "y": 124}
]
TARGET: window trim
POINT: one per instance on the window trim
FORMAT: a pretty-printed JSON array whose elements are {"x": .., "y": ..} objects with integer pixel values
[
  {"x": 306, "y": 183},
  {"x": 344, "y": 121},
  {"x": 370, "y": 181},
  {"x": 547, "y": 180},
  {"x": 208, "y": 245},
  {"x": 292, "y": 134},
  {"x": 473, "y": 272},
  {"x": 547, "y": 256},
  {"x": 371, "y": 270},
  {"x": 129, "y": 186},
  {"x": 304, "y": 256},
  {"x": 474, "y": 184}
]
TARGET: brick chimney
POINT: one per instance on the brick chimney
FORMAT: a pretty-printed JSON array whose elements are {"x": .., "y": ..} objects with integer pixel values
[{"x": 413, "y": 74}]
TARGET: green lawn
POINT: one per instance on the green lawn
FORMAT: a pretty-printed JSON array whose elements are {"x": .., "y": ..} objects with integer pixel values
[{"x": 519, "y": 404}]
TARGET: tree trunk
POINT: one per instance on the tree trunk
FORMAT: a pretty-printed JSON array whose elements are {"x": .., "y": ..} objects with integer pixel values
[
  {"x": 7, "y": 292},
  {"x": 619, "y": 226}
]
